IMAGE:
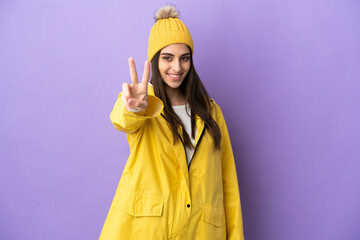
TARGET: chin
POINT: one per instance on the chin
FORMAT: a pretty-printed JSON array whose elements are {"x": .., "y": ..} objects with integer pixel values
[{"x": 175, "y": 85}]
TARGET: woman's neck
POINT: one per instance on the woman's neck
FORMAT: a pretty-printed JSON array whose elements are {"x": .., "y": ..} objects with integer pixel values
[{"x": 176, "y": 97}]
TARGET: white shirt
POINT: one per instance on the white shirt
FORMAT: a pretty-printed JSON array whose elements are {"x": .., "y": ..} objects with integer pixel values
[{"x": 186, "y": 121}]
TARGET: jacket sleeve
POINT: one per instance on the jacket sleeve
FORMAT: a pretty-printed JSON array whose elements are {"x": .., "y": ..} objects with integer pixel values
[
  {"x": 232, "y": 204},
  {"x": 129, "y": 122}
]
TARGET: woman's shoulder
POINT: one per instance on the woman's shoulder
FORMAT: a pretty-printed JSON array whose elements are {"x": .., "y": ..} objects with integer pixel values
[
  {"x": 215, "y": 108},
  {"x": 214, "y": 104}
]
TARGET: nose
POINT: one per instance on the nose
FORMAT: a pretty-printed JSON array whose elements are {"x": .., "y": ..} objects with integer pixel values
[{"x": 176, "y": 66}]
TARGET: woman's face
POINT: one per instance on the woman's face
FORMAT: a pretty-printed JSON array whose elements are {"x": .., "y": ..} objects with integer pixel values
[{"x": 174, "y": 64}]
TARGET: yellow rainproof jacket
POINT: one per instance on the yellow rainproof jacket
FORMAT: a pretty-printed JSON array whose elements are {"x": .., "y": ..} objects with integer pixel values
[{"x": 159, "y": 196}]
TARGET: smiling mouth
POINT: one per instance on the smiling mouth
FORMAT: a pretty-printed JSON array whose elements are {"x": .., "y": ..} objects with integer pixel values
[{"x": 174, "y": 76}]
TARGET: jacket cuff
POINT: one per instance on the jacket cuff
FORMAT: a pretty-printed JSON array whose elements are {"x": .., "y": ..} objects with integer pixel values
[{"x": 154, "y": 108}]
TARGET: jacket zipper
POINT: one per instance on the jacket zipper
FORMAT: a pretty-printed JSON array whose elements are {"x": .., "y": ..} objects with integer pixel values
[{"x": 197, "y": 145}]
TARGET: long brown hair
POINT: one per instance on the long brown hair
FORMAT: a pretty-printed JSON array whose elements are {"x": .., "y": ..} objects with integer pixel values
[{"x": 197, "y": 98}]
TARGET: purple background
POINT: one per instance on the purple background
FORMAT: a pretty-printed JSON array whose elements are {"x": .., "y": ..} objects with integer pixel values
[{"x": 286, "y": 74}]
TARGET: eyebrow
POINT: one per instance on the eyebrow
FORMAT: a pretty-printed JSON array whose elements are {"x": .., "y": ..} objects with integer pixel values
[{"x": 174, "y": 55}]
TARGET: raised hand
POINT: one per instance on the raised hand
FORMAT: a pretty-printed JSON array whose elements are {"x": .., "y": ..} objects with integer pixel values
[{"x": 134, "y": 95}]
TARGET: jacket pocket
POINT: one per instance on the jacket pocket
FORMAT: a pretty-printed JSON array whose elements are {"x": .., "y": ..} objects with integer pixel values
[
  {"x": 214, "y": 215},
  {"x": 138, "y": 205}
]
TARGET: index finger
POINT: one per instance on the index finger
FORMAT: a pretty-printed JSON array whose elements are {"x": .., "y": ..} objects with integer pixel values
[
  {"x": 133, "y": 73},
  {"x": 146, "y": 75}
]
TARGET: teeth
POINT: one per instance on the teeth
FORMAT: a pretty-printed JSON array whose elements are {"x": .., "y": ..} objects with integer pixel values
[{"x": 174, "y": 76}]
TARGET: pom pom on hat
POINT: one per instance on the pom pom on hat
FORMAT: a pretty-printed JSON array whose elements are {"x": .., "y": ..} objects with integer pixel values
[
  {"x": 165, "y": 12},
  {"x": 168, "y": 29}
]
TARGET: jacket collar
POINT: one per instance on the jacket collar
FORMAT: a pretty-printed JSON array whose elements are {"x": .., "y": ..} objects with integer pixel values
[{"x": 198, "y": 121}]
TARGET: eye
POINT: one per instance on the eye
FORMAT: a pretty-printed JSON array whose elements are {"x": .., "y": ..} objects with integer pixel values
[
  {"x": 166, "y": 58},
  {"x": 186, "y": 58}
]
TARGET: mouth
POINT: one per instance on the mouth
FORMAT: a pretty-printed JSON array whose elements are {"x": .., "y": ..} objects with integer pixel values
[{"x": 174, "y": 77}]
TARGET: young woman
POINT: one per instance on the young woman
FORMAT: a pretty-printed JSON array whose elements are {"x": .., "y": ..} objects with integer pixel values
[{"x": 180, "y": 179}]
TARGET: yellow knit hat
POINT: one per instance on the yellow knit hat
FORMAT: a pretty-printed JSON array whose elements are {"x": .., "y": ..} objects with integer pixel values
[{"x": 168, "y": 29}]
